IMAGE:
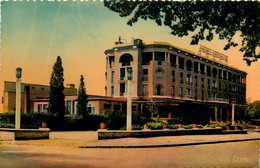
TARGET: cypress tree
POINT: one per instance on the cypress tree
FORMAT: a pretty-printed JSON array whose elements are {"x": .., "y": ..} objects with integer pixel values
[
  {"x": 82, "y": 99},
  {"x": 57, "y": 103}
]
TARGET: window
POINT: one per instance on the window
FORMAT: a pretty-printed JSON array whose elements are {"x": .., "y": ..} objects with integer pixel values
[
  {"x": 159, "y": 56},
  {"x": 215, "y": 72},
  {"x": 220, "y": 75},
  {"x": 117, "y": 107},
  {"x": 90, "y": 109},
  {"x": 219, "y": 86},
  {"x": 107, "y": 107},
  {"x": 145, "y": 90},
  {"x": 181, "y": 63},
  {"x": 122, "y": 73},
  {"x": 181, "y": 77},
  {"x": 173, "y": 76},
  {"x": 208, "y": 83},
  {"x": 173, "y": 60},
  {"x": 196, "y": 67},
  {"x": 214, "y": 95},
  {"x": 188, "y": 92},
  {"x": 159, "y": 89},
  {"x": 39, "y": 108},
  {"x": 225, "y": 87},
  {"x": 188, "y": 79},
  {"x": 202, "y": 95},
  {"x": 202, "y": 82},
  {"x": 129, "y": 74},
  {"x": 134, "y": 107},
  {"x": 145, "y": 74},
  {"x": 214, "y": 85},
  {"x": 173, "y": 91},
  {"x": 112, "y": 77},
  {"x": 122, "y": 89},
  {"x": 45, "y": 108},
  {"x": 208, "y": 70},
  {"x": 126, "y": 59},
  {"x": 159, "y": 72},
  {"x": 209, "y": 95},
  {"x": 189, "y": 65},
  {"x": 106, "y": 76},
  {"x": 202, "y": 68},
  {"x": 196, "y": 95},
  {"x": 68, "y": 107},
  {"x": 111, "y": 61},
  {"x": 196, "y": 80},
  {"x": 181, "y": 92},
  {"x": 112, "y": 91},
  {"x": 146, "y": 58}
]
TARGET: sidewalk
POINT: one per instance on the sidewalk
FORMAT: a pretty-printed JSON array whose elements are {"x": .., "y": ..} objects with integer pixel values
[
  {"x": 168, "y": 141},
  {"x": 88, "y": 139}
]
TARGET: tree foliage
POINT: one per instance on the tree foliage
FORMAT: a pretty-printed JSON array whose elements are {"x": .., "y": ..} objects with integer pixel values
[
  {"x": 57, "y": 104},
  {"x": 253, "y": 109},
  {"x": 82, "y": 99},
  {"x": 256, "y": 105},
  {"x": 203, "y": 18}
]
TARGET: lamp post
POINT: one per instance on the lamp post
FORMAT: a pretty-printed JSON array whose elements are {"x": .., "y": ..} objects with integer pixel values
[
  {"x": 18, "y": 98},
  {"x": 129, "y": 99},
  {"x": 233, "y": 113}
]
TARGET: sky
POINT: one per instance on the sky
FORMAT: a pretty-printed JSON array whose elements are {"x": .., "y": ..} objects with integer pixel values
[{"x": 33, "y": 34}]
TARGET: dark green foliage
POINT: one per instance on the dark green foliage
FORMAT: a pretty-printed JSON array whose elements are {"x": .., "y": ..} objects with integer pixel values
[
  {"x": 173, "y": 121},
  {"x": 116, "y": 120},
  {"x": 54, "y": 122},
  {"x": 57, "y": 104},
  {"x": 89, "y": 122},
  {"x": 201, "y": 18},
  {"x": 82, "y": 99}
]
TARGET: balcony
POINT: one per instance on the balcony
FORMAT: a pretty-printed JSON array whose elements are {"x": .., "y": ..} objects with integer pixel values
[{"x": 220, "y": 100}]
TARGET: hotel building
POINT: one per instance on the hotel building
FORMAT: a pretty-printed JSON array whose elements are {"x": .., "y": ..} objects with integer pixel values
[{"x": 166, "y": 74}]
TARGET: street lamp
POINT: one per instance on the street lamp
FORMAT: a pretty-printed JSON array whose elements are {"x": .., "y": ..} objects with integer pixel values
[
  {"x": 18, "y": 72},
  {"x": 129, "y": 99},
  {"x": 18, "y": 98},
  {"x": 129, "y": 74}
]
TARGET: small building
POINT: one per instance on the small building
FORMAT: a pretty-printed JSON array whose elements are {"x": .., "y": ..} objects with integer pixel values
[{"x": 30, "y": 92}]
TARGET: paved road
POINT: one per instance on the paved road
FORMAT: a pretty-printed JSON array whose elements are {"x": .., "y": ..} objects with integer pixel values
[{"x": 59, "y": 153}]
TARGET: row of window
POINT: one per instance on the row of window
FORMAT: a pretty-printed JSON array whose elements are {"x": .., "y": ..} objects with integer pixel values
[
  {"x": 159, "y": 92},
  {"x": 69, "y": 108}
]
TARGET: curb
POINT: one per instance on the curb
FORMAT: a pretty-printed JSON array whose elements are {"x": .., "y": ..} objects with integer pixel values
[{"x": 172, "y": 145}]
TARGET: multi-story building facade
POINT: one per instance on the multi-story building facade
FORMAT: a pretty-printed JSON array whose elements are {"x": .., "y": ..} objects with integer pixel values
[{"x": 165, "y": 73}]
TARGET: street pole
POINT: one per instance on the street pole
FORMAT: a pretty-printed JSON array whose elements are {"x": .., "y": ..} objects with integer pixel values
[
  {"x": 129, "y": 101},
  {"x": 233, "y": 114},
  {"x": 18, "y": 99}
]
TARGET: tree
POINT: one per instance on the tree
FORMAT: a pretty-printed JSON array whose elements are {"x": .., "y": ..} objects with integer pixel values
[
  {"x": 256, "y": 105},
  {"x": 82, "y": 99},
  {"x": 253, "y": 109},
  {"x": 57, "y": 105},
  {"x": 202, "y": 18}
]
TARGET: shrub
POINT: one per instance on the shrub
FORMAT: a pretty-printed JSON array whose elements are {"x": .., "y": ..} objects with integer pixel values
[
  {"x": 175, "y": 126},
  {"x": 173, "y": 121},
  {"x": 115, "y": 120},
  {"x": 6, "y": 125},
  {"x": 155, "y": 126}
]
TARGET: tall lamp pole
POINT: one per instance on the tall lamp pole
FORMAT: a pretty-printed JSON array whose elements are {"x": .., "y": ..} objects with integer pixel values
[
  {"x": 129, "y": 99},
  {"x": 233, "y": 113},
  {"x": 18, "y": 98}
]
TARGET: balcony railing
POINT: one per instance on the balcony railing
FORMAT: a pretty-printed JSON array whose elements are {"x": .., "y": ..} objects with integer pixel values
[{"x": 218, "y": 99}]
